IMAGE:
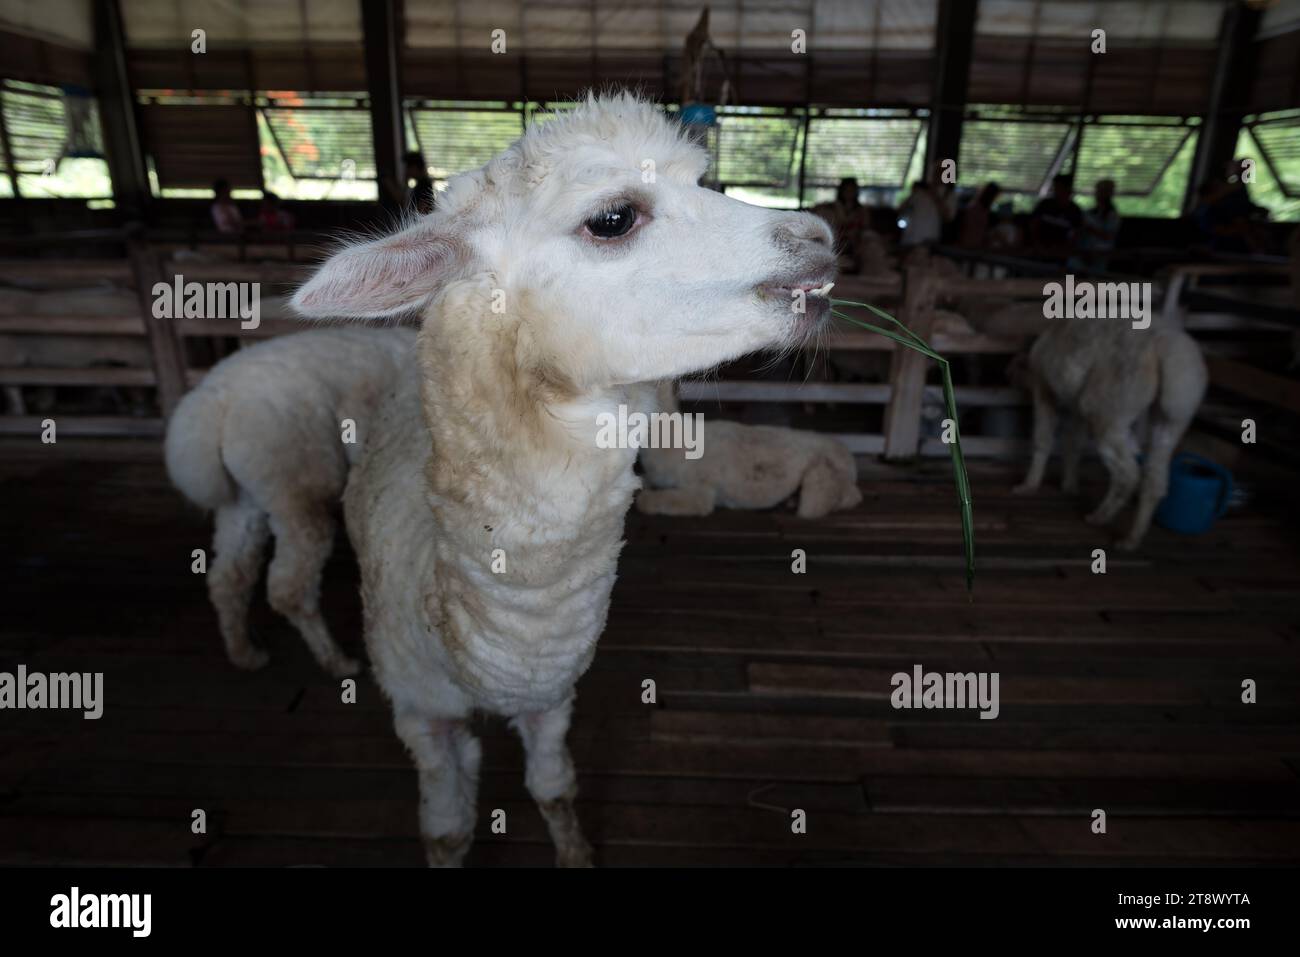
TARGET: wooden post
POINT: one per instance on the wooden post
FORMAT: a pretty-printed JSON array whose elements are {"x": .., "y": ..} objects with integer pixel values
[
  {"x": 380, "y": 23},
  {"x": 164, "y": 341},
  {"x": 1233, "y": 73},
  {"x": 907, "y": 368},
  {"x": 955, "y": 40},
  {"x": 122, "y": 147}
]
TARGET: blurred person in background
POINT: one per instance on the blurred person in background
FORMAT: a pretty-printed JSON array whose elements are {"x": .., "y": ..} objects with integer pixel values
[
  {"x": 226, "y": 216},
  {"x": 1100, "y": 228},
  {"x": 1056, "y": 221}
]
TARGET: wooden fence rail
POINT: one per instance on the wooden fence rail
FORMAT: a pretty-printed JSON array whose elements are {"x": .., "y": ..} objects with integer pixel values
[{"x": 178, "y": 359}]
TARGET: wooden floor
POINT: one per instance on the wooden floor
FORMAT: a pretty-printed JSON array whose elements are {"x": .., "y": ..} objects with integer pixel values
[{"x": 1119, "y": 692}]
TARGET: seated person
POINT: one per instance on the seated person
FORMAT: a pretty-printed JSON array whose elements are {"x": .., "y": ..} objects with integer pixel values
[
  {"x": 848, "y": 219},
  {"x": 1100, "y": 228},
  {"x": 271, "y": 217},
  {"x": 921, "y": 217},
  {"x": 1056, "y": 221},
  {"x": 977, "y": 219},
  {"x": 226, "y": 216},
  {"x": 1232, "y": 218}
]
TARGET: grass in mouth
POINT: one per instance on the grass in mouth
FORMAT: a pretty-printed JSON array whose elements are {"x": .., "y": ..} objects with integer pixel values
[{"x": 911, "y": 340}]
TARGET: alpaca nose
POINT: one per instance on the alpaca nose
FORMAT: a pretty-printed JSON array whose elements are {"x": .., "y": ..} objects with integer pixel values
[{"x": 799, "y": 229}]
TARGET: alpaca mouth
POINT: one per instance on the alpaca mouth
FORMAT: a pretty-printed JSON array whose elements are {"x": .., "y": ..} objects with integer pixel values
[
  {"x": 818, "y": 290},
  {"x": 809, "y": 302}
]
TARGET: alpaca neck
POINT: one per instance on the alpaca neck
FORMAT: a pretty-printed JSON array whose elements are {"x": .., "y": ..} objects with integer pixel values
[{"x": 528, "y": 510}]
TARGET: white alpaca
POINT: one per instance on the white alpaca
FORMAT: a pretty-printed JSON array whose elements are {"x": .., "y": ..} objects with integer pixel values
[
  {"x": 748, "y": 466},
  {"x": 551, "y": 282},
  {"x": 1104, "y": 375},
  {"x": 262, "y": 442}
]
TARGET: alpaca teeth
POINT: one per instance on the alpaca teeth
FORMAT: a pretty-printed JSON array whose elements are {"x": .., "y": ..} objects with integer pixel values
[{"x": 822, "y": 290}]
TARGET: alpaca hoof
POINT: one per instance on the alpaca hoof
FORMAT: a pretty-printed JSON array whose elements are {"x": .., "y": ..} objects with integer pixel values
[
  {"x": 577, "y": 855},
  {"x": 249, "y": 659},
  {"x": 1097, "y": 517},
  {"x": 342, "y": 666},
  {"x": 1024, "y": 488},
  {"x": 1128, "y": 543},
  {"x": 447, "y": 851}
]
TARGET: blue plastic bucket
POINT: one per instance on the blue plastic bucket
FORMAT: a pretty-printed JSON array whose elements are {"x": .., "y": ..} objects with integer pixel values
[
  {"x": 1198, "y": 494},
  {"x": 698, "y": 114}
]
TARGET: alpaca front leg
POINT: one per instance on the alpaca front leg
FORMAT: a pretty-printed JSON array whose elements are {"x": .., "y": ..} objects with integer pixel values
[
  {"x": 447, "y": 760},
  {"x": 1044, "y": 430},
  {"x": 552, "y": 781}
]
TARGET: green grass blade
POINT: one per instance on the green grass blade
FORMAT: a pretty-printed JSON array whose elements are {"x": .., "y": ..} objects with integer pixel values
[
  {"x": 912, "y": 343},
  {"x": 883, "y": 315},
  {"x": 961, "y": 478}
]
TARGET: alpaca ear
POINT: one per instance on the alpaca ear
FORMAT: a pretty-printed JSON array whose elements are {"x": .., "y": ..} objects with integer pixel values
[{"x": 383, "y": 277}]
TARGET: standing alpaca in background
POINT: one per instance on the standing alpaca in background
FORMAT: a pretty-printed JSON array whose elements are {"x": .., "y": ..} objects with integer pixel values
[
  {"x": 551, "y": 281},
  {"x": 748, "y": 466},
  {"x": 1104, "y": 374},
  {"x": 260, "y": 443}
]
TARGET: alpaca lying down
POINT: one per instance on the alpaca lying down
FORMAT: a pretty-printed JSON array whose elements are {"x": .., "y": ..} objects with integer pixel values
[
  {"x": 488, "y": 528},
  {"x": 748, "y": 466},
  {"x": 260, "y": 442}
]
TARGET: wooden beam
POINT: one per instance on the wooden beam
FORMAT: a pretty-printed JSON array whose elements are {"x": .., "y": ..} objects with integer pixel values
[
  {"x": 122, "y": 146},
  {"x": 852, "y": 393},
  {"x": 83, "y": 269},
  {"x": 1234, "y": 72},
  {"x": 955, "y": 37},
  {"x": 88, "y": 375},
  {"x": 106, "y": 425},
  {"x": 73, "y": 325},
  {"x": 1254, "y": 383},
  {"x": 380, "y": 23}
]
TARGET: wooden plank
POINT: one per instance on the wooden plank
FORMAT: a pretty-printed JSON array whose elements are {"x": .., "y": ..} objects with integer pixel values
[
  {"x": 844, "y": 392},
  {"x": 102, "y": 425},
  {"x": 1254, "y": 383},
  {"x": 74, "y": 325},
  {"x": 267, "y": 272},
  {"x": 266, "y": 328},
  {"x": 1192, "y": 839},
  {"x": 87, "y": 376},
  {"x": 1077, "y": 797},
  {"x": 92, "y": 841},
  {"x": 747, "y": 729},
  {"x": 118, "y": 270},
  {"x": 1014, "y": 689}
]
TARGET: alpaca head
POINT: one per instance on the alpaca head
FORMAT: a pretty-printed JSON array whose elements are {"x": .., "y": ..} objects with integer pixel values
[{"x": 592, "y": 236}]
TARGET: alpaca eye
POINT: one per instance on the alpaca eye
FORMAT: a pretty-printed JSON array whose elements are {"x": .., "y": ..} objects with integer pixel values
[{"x": 612, "y": 223}]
